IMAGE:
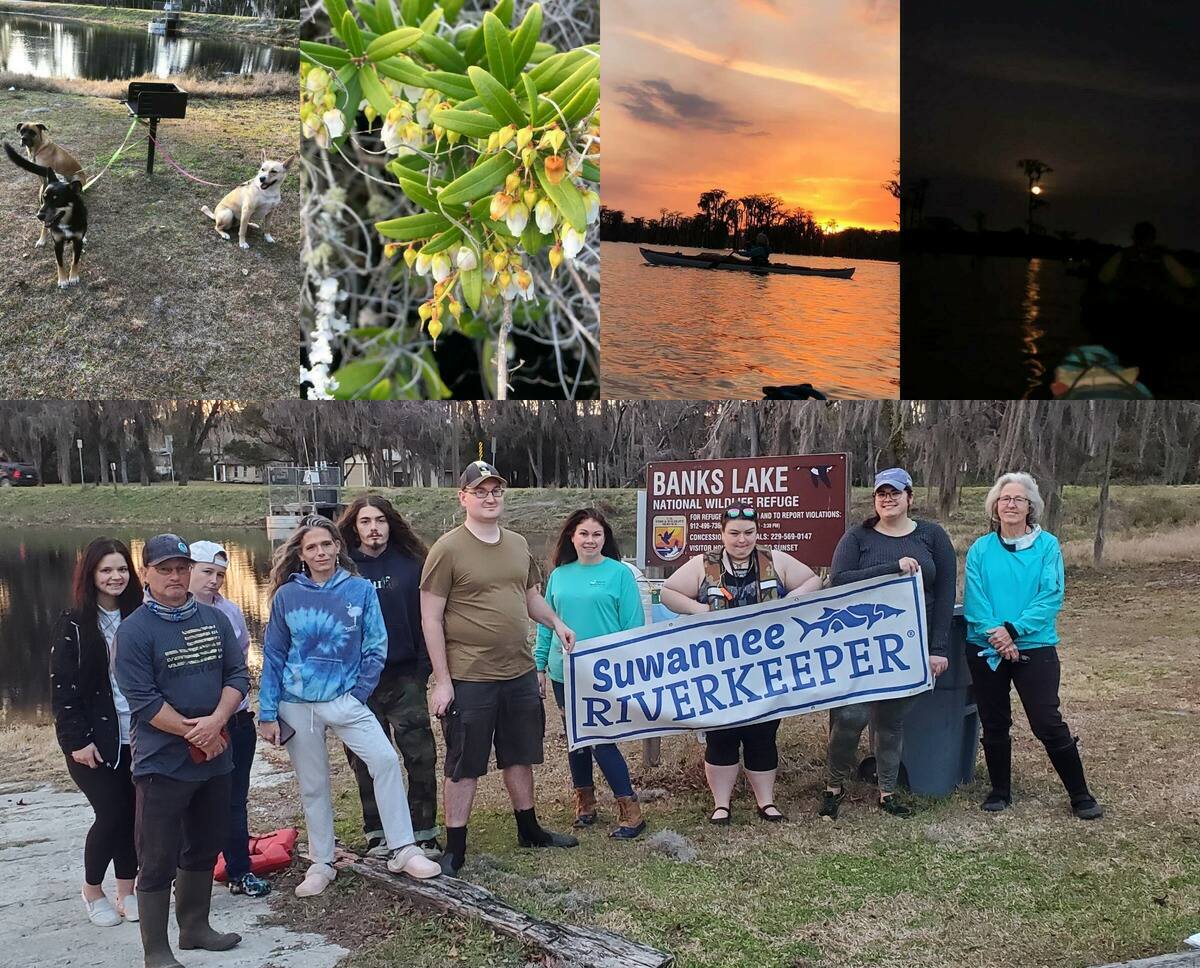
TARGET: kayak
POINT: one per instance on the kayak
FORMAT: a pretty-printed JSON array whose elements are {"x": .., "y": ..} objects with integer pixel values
[{"x": 720, "y": 261}]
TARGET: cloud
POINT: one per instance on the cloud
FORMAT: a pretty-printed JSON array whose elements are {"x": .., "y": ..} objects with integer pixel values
[
  {"x": 769, "y": 7},
  {"x": 857, "y": 94},
  {"x": 879, "y": 13},
  {"x": 658, "y": 102}
]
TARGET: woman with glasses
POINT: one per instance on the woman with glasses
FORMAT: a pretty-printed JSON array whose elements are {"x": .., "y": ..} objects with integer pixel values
[
  {"x": 887, "y": 542},
  {"x": 1014, "y": 591},
  {"x": 741, "y": 573}
]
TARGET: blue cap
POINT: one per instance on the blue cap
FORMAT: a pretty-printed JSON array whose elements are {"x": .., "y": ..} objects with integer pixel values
[
  {"x": 896, "y": 477},
  {"x": 162, "y": 547}
]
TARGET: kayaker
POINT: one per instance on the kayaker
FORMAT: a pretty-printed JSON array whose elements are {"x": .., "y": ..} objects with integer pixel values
[{"x": 759, "y": 254}]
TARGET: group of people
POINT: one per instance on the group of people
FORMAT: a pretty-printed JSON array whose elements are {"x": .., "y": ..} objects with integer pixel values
[{"x": 371, "y": 634}]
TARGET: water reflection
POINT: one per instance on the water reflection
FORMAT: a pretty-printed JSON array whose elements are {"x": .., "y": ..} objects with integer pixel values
[
  {"x": 1031, "y": 331},
  {"x": 52, "y": 48}
]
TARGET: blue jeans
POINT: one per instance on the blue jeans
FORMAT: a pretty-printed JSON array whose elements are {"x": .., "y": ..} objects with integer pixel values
[
  {"x": 242, "y": 740},
  {"x": 612, "y": 763}
]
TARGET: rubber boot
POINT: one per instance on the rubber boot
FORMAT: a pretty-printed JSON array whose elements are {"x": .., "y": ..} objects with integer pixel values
[
  {"x": 1069, "y": 767},
  {"x": 153, "y": 907},
  {"x": 585, "y": 806},
  {"x": 997, "y": 753},
  {"x": 631, "y": 822},
  {"x": 193, "y": 897}
]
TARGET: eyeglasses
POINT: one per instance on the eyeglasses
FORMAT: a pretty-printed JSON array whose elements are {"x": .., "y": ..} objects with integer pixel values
[
  {"x": 890, "y": 495},
  {"x": 496, "y": 492},
  {"x": 734, "y": 513},
  {"x": 1012, "y": 500}
]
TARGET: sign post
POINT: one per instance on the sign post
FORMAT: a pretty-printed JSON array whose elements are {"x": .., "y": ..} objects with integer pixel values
[{"x": 79, "y": 447}]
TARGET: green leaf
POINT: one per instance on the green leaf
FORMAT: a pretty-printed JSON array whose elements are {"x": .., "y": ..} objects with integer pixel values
[
  {"x": 566, "y": 196},
  {"x": 496, "y": 98},
  {"x": 532, "y": 239},
  {"x": 374, "y": 91},
  {"x": 474, "y": 51},
  {"x": 416, "y": 191},
  {"x": 484, "y": 177},
  {"x": 349, "y": 96},
  {"x": 453, "y": 84},
  {"x": 472, "y": 286},
  {"x": 452, "y": 8},
  {"x": 353, "y": 378},
  {"x": 384, "y": 17},
  {"x": 474, "y": 124},
  {"x": 543, "y": 73},
  {"x": 531, "y": 95},
  {"x": 435, "y": 388},
  {"x": 405, "y": 70},
  {"x": 525, "y": 37},
  {"x": 429, "y": 24},
  {"x": 352, "y": 35},
  {"x": 582, "y": 104},
  {"x": 499, "y": 50},
  {"x": 442, "y": 53},
  {"x": 370, "y": 16},
  {"x": 382, "y": 390},
  {"x": 409, "y": 12},
  {"x": 541, "y": 51},
  {"x": 409, "y": 228},
  {"x": 393, "y": 42},
  {"x": 326, "y": 55},
  {"x": 566, "y": 89},
  {"x": 591, "y": 171},
  {"x": 503, "y": 11},
  {"x": 336, "y": 10},
  {"x": 442, "y": 241}
]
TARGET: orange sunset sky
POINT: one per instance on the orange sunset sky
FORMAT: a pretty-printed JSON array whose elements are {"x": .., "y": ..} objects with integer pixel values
[{"x": 799, "y": 98}]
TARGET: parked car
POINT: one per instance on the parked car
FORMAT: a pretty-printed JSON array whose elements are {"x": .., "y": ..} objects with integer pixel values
[{"x": 15, "y": 473}]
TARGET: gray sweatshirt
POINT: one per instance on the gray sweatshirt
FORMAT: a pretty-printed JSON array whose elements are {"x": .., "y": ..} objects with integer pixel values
[{"x": 866, "y": 553}]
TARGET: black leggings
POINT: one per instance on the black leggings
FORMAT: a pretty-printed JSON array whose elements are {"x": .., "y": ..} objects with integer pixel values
[
  {"x": 759, "y": 750},
  {"x": 110, "y": 839},
  {"x": 1036, "y": 681}
]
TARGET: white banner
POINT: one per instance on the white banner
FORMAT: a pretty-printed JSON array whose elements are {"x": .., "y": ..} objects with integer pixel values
[{"x": 834, "y": 647}]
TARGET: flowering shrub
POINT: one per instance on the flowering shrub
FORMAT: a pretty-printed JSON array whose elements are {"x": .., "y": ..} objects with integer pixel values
[{"x": 492, "y": 135}]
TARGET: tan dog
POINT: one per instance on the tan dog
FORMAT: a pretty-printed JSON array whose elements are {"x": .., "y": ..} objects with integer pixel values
[
  {"x": 252, "y": 201},
  {"x": 35, "y": 137}
]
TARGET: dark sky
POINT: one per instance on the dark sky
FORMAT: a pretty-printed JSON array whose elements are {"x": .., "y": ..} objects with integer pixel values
[{"x": 1107, "y": 92}]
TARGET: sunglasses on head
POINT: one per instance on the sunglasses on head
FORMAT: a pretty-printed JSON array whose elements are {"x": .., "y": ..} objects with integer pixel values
[{"x": 734, "y": 514}]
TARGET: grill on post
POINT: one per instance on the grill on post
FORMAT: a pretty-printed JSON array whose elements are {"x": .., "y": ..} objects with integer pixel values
[{"x": 155, "y": 100}]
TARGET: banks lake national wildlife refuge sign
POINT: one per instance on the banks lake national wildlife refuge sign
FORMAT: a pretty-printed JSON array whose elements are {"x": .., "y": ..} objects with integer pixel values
[{"x": 800, "y": 504}]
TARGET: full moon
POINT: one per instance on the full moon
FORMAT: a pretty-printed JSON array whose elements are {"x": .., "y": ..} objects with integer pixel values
[{"x": 1037, "y": 189}]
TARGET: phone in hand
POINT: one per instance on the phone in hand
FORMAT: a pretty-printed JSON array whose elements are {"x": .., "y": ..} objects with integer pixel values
[{"x": 286, "y": 732}]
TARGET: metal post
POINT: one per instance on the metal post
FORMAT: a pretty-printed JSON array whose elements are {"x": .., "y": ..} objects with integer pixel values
[
  {"x": 79, "y": 447},
  {"x": 150, "y": 146}
]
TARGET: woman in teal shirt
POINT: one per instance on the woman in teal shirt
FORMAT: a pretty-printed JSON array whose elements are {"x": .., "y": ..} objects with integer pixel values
[
  {"x": 594, "y": 593},
  {"x": 1014, "y": 591}
]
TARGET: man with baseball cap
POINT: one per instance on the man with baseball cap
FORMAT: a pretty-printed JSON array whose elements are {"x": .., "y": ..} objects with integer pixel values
[
  {"x": 479, "y": 589},
  {"x": 179, "y": 664},
  {"x": 210, "y": 561}
]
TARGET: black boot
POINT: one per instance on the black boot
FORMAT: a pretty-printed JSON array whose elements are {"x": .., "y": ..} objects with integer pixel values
[
  {"x": 530, "y": 833},
  {"x": 193, "y": 897},
  {"x": 997, "y": 753},
  {"x": 1069, "y": 767},
  {"x": 153, "y": 907}
]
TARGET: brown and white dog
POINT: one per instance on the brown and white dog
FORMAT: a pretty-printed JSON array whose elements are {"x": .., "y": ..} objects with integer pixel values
[
  {"x": 35, "y": 138},
  {"x": 252, "y": 201}
]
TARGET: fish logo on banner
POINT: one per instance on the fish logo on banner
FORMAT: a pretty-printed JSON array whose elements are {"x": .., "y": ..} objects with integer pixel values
[{"x": 835, "y": 647}]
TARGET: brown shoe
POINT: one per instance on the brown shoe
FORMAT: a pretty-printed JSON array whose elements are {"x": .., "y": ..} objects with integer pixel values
[
  {"x": 585, "y": 806},
  {"x": 631, "y": 820}
]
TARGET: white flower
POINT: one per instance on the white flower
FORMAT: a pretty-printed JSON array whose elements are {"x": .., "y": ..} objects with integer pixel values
[
  {"x": 517, "y": 218},
  {"x": 546, "y": 215},
  {"x": 591, "y": 203},
  {"x": 465, "y": 258},
  {"x": 572, "y": 242},
  {"x": 423, "y": 265},
  {"x": 441, "y": 266},
  {"x": 413, "y": 93}
]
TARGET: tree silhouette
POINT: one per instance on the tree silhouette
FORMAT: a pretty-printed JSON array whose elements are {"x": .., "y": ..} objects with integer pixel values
[{"x": 1034, "y": 170}]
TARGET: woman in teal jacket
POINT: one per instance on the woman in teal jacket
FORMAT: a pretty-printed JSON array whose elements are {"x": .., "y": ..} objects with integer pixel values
[
  {"x": 1014, "y": 591},
  {"x": 595, "y": 593}
]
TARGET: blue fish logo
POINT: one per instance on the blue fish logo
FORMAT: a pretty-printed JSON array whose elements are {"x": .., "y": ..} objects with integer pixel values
[{"x": 853, "y": 616}]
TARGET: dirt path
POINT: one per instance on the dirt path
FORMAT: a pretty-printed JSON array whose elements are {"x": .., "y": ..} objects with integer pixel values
[{"x": 166, "y": 307}]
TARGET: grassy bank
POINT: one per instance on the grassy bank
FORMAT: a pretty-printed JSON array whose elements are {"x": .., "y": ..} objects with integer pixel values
[
  {"x": 237, "y": 86},
  {"x": 282, "y": 32},
  {"x": 949, "y": 887},
  {"x": 166, "y": 307}
]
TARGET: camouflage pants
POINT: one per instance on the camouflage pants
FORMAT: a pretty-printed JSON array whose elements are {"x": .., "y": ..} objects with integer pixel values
[{"x": 400, "y": 705}]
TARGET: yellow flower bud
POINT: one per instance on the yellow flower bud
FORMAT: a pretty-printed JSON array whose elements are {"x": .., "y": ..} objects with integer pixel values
[
  {"x": 455, "y": 308},
  {"x": 453, "y": 137},
  {"x": 528, "y": 157},
  {"x": 530, "y": 197},
  {"x": 556, "y": 258},
  {"x": 553, "y": 139},
  {"x": 391, "y": 249},
  {"x": 435, "y": 330},
  {"x": 524, "y": 136},
  {"x": 493, "y": 142},
  {"x": 410, "y": 256},
  {"x": 524, "y": 279},
  {"x": 503, "y": 280},
  {"x": 499, "y": 261},
  {"x": 501, "y": 203},
  {"x": 556, "y": 169},
  {"x": 512, "y": 183},
  {"x": 505, "y": 135},
  {"x": 425, "y": 310}
]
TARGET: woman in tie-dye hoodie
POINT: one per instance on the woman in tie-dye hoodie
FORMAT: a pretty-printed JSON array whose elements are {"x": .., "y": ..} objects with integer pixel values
[{"x": 323, "y": 651}]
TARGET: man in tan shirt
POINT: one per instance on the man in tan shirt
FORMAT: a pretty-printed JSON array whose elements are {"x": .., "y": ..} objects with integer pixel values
[{"x": 479, "y": 589}]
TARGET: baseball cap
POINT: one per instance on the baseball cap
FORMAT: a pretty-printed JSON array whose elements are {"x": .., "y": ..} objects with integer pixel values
[
  {"x": 209, "y": 553},
  {"x": 164, "y": 546},
  {"x": 477, "y": 472},
  {"x": 896, "y": 477}
]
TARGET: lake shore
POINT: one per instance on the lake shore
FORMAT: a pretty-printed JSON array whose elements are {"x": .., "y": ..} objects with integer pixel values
[{"x": 279, "y": 32}]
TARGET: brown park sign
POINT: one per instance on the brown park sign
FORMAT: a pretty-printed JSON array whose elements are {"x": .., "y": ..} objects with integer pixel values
[{"x": 801, "y": 504}]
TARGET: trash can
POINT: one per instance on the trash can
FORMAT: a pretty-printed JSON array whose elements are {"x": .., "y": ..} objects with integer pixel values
[{"x": 941, "y": 730}]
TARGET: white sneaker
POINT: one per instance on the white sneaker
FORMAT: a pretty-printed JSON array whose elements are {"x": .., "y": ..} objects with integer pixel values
[
  {"x": 411, "y": 860},
  {"x": 101, "y": 912},
  {"x": 316, "y": 879},
  {"x": 131, "y": 908}
]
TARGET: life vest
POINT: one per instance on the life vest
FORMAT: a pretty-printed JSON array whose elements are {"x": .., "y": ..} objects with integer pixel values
[
  {"x": 765, "y": 587},
  {"x": 267, "y": 854}
]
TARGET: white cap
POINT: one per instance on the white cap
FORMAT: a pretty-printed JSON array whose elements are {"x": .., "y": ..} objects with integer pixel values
[{"x": 209, "y": 553}]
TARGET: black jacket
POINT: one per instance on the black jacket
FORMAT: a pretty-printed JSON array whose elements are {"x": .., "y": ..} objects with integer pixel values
[
  {"x": 80, "y": 690},
  {"x": 397, "y": 580}
]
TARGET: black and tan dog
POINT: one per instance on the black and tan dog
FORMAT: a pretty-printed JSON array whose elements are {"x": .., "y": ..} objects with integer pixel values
[
  {"x": 62, "y": 213},
  {"x": 35, "y": 139}
]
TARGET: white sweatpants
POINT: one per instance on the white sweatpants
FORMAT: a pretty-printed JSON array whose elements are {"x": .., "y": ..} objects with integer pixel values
[{"x": 356, "y": 726}]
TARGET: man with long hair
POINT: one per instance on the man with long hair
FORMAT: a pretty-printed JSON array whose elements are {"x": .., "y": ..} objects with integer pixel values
[
  {"x": 479, "y": 589},
  {"x": 389, "y": 555},
  {"x": 323, "y": 650}
]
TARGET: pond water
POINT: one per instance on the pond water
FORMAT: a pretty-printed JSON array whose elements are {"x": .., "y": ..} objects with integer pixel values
[{"x": 59, "y": 48}]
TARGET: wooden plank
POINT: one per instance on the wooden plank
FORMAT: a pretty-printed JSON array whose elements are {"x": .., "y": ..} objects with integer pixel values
[
  {"x": 566, "y": 945},
  {"x": 1185, "y": 959}
]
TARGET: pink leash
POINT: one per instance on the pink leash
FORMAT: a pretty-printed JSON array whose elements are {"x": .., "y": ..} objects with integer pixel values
[{"x": 178, "y": 167}]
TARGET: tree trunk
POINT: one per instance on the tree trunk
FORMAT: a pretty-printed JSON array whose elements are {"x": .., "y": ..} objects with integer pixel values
[{"x": 1098, "y": 546}]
